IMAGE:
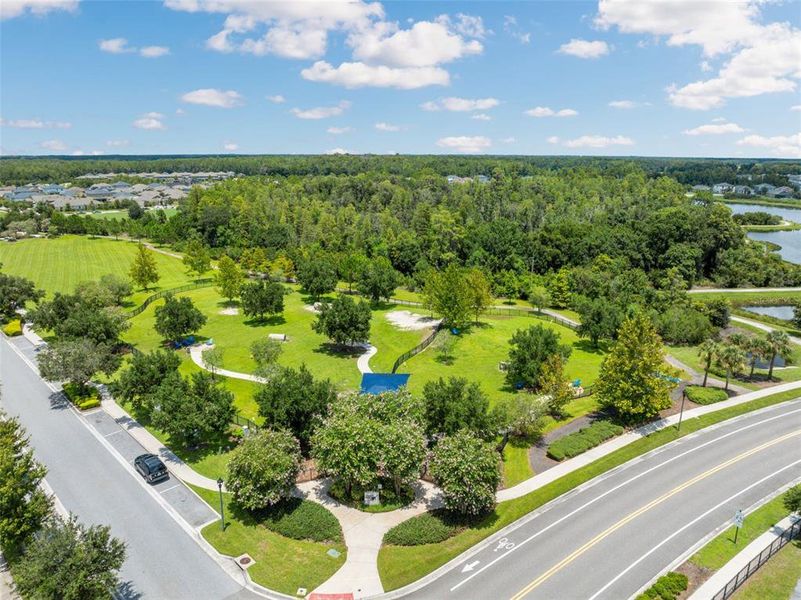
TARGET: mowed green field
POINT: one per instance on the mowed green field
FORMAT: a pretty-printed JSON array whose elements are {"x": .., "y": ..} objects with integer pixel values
[{"x": 59, "y": 264}]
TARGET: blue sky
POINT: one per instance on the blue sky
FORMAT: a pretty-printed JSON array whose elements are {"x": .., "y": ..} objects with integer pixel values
[{"x": 613, "y": 77}]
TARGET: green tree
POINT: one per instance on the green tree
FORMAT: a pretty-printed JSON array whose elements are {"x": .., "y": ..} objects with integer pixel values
[
  {"x": 378, "y": 279},
  {"x": 263, "y": 468},
  {"x": 68, "y": 561},
  {"x": 520, "y": 415},
  {"x": 632, "y": 379},
  {"x": 178, "y": 317},
  {"x": 599, "y": 318},
  {"x": 213, "y": 359},
  {"x": 77, "y": 361},
  {"x": 779, "y": 344},
  {"x": 294, "y": 400},
  {"x": 507, "y": 285},
  {"x": 708, "y": 353},
  {"x": 467, "y": 470},
  {"x": 758, "y": 350},
  {"x": 555, "y": 386},
  {"x": 196, "y": 257},
  {"x": 454, "y": 405},
  {"x": 559, "y": 289},
  {"x": 254, "y": 260},
  {"x": 23, "y": 504},
  {"x": 530, "y": 348},
  {"x": 192, "y": 410},
  {"x": 261, "y": 298},
  {"x": 402, "y": 451},
  {"x": 731, "y": 358},
  {"x": 792, "y": 499},
  {"x": 351, "y": 268},
  {"x": 15, "y": 292},
  {"x": 229, "y": 278},
  {"x": 265, "y": 353},
  {"x": 344, "y": 321},
  {"x": 144, "y": 270},
  {"x": 478, "y": 291},
  {"x": 539, "y": 297},
  {"x": 145, "y": 373},
  {"x": 118, "y": 287},
  {"x": 318, "y": 276},
  {"x": 446, "y": 293},
  {"x": 79, "y": 317}
]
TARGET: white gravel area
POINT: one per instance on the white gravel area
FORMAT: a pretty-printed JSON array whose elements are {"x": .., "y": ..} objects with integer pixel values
[
  {"x": 230, "y": 311},
  {"x": 409, "y": 321}
]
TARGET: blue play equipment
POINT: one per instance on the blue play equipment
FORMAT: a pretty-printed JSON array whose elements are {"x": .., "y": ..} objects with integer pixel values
[{"x": 375, "y": 383}]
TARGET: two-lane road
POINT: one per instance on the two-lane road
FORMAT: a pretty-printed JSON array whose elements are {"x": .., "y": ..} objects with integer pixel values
[
  {"x": 610, "y": 537},
  {"x": 163, "y": 561}
]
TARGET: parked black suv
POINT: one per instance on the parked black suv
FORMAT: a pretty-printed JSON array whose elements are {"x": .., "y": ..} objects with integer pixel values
[{"x": 151, "y": 468}]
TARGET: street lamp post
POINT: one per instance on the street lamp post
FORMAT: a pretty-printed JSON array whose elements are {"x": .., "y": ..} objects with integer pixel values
[
  {"x": 222, "y": 509},
  {"x": 681, "y": 412}
]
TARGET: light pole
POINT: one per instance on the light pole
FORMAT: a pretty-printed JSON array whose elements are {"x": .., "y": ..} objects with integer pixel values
[
  {"x": 681, "y": 412},
  {"x": 222, "y": 509}
]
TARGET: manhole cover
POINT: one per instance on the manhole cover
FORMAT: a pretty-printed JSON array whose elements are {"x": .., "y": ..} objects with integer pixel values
[{"x": 245, "y": 561}]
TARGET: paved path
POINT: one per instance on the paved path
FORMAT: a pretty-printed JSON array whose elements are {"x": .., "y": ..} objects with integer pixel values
[
  {"x": 762, "y": 326},
  {"x": 611, "y": 537},
  {"x": 697, "y": 378},
  {"x": 728, "y": 571},
  {"x": 196, "y": 352}
]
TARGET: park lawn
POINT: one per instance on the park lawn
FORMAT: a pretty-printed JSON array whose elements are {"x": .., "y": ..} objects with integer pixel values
[
  {"x": 476, "y": 353},
  {"x": 776, "y": 579},
  {"x": 689, "y": 356},
  {"x": 401, "y": 565},
  {"x": 721, "y": 549},
  {"x": 281, "y": 563},
  {"x": 59, "y": 264},
  {"x": 119, "y": 214}
]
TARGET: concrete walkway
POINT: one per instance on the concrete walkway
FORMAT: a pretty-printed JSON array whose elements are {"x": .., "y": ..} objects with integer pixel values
[
  {"x": 7, "y": 590},
  {"x": 697, "y": 378},
  {"x": 728, "y": 571},
  {"x": 196, "y": 352},
  {"x": 364, "y": 533},
  {"x": 363, "y": 363},
  {"x": 762, "y": 326}
]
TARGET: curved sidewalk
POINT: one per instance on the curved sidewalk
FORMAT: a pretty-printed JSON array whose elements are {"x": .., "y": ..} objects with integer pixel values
[{"x": 762, "y": 326}]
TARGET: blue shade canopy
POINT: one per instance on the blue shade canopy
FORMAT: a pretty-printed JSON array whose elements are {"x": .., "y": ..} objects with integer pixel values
[{"x": 375, "y": 383}]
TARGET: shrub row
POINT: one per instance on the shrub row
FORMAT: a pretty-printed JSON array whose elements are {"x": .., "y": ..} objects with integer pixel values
[
  {"x": 84, "y": 398},
  {"x": 427, "y": 528},
  {"x": 702, "y": 395},
  {"x": 582, "y": 440},
  {"x": 302, "y": 520},
  {"x": 667, "y": 587},
  {"x": 13, "y": 328}
]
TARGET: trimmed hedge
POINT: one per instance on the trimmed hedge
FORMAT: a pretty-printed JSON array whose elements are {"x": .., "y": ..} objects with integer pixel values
[
  {"x": 582, "y": 440},
  {"x": 84, "y": 399},
  {"x": 13, "y": 328},
  {"x": 302, "y": 520},
  {"x": 667, "y": 587},
  {"x": 427, "y": 528},
  {"x": 705, "y": 395}
]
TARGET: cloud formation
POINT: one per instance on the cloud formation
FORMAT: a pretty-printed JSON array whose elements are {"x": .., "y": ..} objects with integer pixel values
[
  {"x": 544, "y": 111},
  {"x": 151, "y": 120},
  {"x": 34, "y": 124},
  {"x": 460, "y": 104},
  {"x": 388, "y": 127},
  {"x": 782, "y": 146},
  {"x": 465, "y": 144},
  {"x": 585, "y": 48},
  {"x": 592, "y": 141},
  {"x": 15, "y": 8},
  {"x": 358, "y": 74},
  {"x": 213, "y": 97},
  {"x": 321, "y": 112},
  {"x": 714, "y": 129}
]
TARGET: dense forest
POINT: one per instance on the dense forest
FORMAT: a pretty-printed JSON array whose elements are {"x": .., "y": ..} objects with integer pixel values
[{"x": 16, "y": 171}]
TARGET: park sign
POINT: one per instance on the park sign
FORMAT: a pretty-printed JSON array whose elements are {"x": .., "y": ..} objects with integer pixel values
[{"x": 371, "y": 498}]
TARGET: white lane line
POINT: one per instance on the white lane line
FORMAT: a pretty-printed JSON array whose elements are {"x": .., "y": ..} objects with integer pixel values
[
  {"x": 169, "y": 488},
  {"x": 617, "y": 487},
  {"x": 690, "y": 524},
  {"x": 114, "y": 433}
]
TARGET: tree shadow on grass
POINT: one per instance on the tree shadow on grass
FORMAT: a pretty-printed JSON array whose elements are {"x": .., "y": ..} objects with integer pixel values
[
  {"x": 587, "y": 346},
  {"x": 339, "y": 350},
  {"x": 265, "y": 321}
]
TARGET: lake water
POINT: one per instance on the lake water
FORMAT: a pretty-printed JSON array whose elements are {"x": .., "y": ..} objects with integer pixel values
[
  {"x": 790, "y": 241},
  {"x": 779, "y": 312}
]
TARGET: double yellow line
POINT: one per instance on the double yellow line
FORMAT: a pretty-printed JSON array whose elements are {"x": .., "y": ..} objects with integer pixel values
[{"x": 627, "y": 519}]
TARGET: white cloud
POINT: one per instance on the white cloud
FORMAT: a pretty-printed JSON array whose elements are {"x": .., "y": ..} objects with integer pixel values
[
  {"x": 593, "y": 141},
  {"x": 585, "y": 48},
  {"x": 460, "y": 104},
  {"x": 544, "y": 111},
  {"x": 230, "y": 146},
  {"x": 796, "y": 107},
  {"x": 358, "y": 74},
  {"x": 469, "y": 26},
  {"x": 510, "y": 27},
  {"x": 35, "y": 124},
  {"x": 154, "y": 51},
  {"x": 338, "y": 130},
  {"x": 627, "y": 104},
  {"x": 465, "y": 144},
  {"x": 714, "y": 129},
  {"x": 277, "y": 99},
  {"x": 288, "y": 42},
  {"x": 783, "y": 146},
  {"x": 321, "y": 112},
  {"x": 54, "y": 145},
  {"x": 381, "y": 126},
  {"x": 151, "y": 120},
  {"x": 14, "y": 8},
  {"x": 338, "y": 151},
  {"x": 213, "y": 97},
  {"x": 115, "y": 46},
  {"x": 117, "y": 143},
  {"x": 87, "y": 153},
  {"x": 481, "y": 117}
]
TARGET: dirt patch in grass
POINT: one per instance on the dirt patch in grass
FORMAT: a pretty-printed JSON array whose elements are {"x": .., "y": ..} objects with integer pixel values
[
  {"x": 409, "y": 321},
  {"x": 231, "y": 311}
]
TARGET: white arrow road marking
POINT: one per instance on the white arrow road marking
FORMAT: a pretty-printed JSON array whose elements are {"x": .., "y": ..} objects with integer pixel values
[{"x": 470, "y": 566}]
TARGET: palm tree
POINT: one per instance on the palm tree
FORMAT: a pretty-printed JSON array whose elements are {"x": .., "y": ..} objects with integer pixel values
[
  {"x": 708, "y": 352},
  {"x": 740, "y": 340},
  {"x": 758, "y": 350},
  {"x": 778, "y": 343},
  {"x": 731, "y": 358}
]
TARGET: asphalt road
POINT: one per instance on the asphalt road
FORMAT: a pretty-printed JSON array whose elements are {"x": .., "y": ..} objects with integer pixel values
[
  {"x": 610, "y": 537},
  {"x": 163, "y": 561}
]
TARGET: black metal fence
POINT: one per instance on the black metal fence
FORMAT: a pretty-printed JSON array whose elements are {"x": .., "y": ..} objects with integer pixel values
[
  {"x": 200, "y": 283},
  {"x": 245, "y": 422},
  {"x": 417, "y": 349},
  {"x": 780, "y": 542}
]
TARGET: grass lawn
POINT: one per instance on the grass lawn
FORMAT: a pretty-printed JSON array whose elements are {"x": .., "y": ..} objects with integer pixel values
[
  {"x": 689, "y": 356},
  {"x": 745, "y": 298},
  {"x": 475, "y": 355},
  {"x": 721, "y": 549},
  {"x": 401, "y": 565},
  {"x": 281, "y": 563},
  {"x": 123, "y": 214},
  {"x": 59, "y": 264},
  {"x": 776, "y": 579}
]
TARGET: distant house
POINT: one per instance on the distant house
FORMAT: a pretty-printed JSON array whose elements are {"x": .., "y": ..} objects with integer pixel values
[
  {"x": 743, "y": 190},
  {"x": 722, "y": 188},
  {"x": 764, "y": 188},
  {"x": 781, "y": 192},
  {"x": 700, "y": 188},
  {"x": 482, "y": 179}
]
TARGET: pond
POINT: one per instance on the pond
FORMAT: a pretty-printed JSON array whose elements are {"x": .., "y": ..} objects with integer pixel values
[
  {"x": 785, "y": 313},
  {"x": 790, "y": 241}
]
